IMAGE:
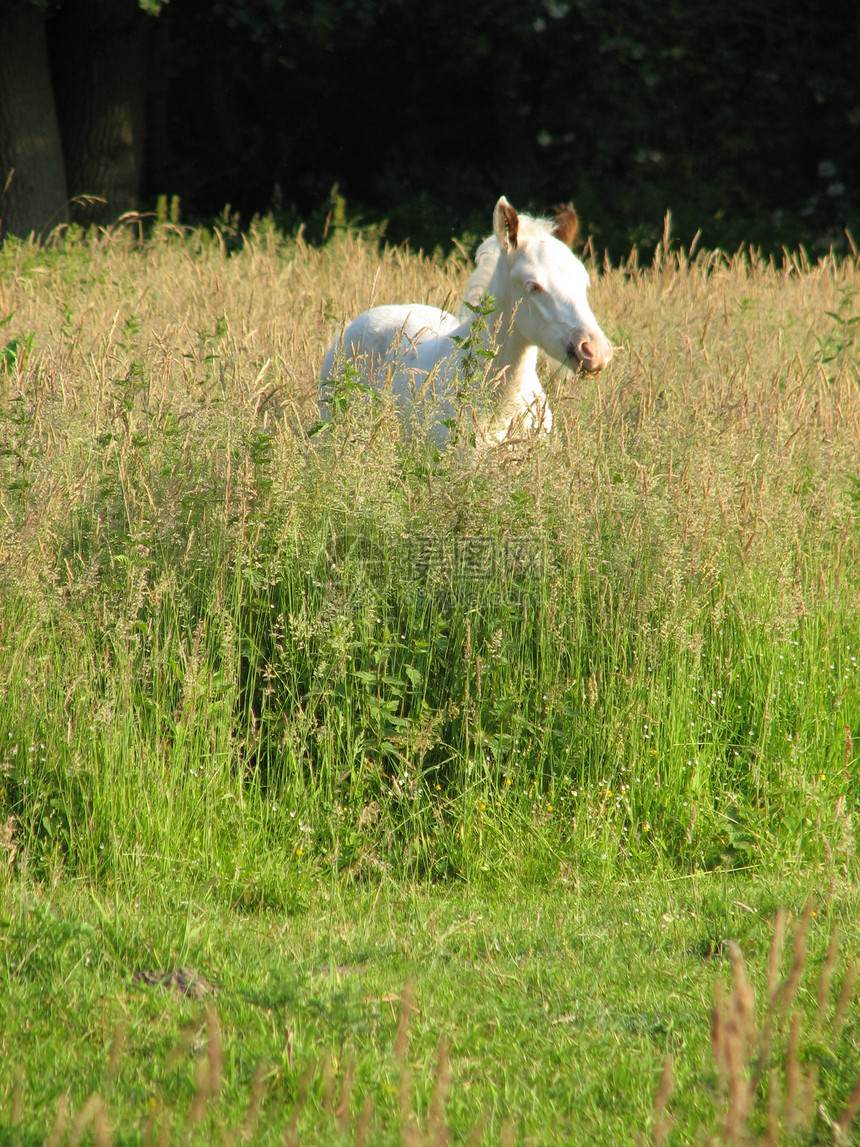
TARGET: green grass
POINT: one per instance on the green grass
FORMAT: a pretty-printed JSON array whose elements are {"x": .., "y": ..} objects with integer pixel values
[
  {"x": 557, "y": 1010},
  {"x": 260, "y": 685}
]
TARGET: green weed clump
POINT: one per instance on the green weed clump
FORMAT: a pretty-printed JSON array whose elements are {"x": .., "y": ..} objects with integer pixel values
[{"x": 237, "y": 652}]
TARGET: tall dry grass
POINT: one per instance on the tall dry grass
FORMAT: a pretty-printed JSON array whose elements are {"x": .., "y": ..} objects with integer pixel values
[
  {"x": 730, "y": 413},
  {"x": 672, "y": 665}
]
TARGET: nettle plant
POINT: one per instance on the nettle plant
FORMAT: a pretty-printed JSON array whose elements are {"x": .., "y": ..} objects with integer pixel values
[
  {"x": 478, "y": 349},
  {"x": 342, "y": 392}
]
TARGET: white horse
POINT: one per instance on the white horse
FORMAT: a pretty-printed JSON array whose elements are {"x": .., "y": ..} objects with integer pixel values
[{"x": 539, "y": 291}]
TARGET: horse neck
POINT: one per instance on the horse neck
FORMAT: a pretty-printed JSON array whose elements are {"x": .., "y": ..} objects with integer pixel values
[{"x": 516, "y": 358}]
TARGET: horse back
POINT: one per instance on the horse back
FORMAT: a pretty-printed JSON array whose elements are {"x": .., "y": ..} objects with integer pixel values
[{"x": 388, "y": 332}]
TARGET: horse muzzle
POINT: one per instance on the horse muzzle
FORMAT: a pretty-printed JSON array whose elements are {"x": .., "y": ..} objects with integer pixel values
[{"x": 593, "y": 352}]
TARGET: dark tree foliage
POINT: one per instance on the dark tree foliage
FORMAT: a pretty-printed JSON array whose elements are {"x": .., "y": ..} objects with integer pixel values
[{"x": 741, "y": 116}]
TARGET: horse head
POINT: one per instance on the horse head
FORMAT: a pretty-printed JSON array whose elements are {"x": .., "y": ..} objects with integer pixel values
[{"x": 548, "y": 286}]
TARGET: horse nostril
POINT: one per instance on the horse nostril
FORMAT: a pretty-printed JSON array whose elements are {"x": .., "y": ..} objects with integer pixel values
[
  {"x": 592, "y": 353},
  {"x": 583, "y": 351}
]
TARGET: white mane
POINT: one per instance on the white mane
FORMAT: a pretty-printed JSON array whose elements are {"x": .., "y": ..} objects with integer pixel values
[{"x": 486, "y": 258}]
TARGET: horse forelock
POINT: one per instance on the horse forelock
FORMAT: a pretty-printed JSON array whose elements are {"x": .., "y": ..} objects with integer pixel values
[{"x": 536, "y": 224}]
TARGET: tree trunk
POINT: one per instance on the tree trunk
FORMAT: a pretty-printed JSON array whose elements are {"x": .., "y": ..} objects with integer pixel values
[
  {"x": 98, "y": 53},
  {"x": 31, "y": 157}
]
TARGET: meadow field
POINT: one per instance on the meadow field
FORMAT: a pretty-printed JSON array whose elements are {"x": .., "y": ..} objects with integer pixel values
[{"x": 354, "y": 793}]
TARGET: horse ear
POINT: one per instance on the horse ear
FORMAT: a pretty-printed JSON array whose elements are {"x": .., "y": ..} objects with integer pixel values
[
  {"x": 506, "y": 224},
  {"x": 566, "y": 223}
]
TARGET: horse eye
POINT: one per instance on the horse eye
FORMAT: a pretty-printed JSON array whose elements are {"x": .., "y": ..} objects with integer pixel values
[{"x": 533, "y": 288}]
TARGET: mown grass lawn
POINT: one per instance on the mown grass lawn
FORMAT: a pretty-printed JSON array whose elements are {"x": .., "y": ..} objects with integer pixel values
[{"x": 557, "y": 1006}]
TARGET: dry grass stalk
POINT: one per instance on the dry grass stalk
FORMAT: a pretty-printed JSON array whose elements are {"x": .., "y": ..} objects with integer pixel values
[
  {"x": 328, "y": 1085},
  {"x": 476, "y": 1138},
  {"x": 827, "y": 975},
  {"x": 290, "y": 1137},
  {"x": 662, "y": 1119},
  {"x": 61, "y": 1122},
  {"x": 156, "y": 1132},
  {"x": 437, "y": 1127},
  {"x": 842, "y": 1126},
  {"x": 342, "y": 1110},
  {"x": 17, "y": 1111},
  {"x": 775, "y": 957},
  {"x": 8, "y": 841},
  {"x": 774, "y": 1108},
  {"x": 252, "y": 1115},
  {"x": 788, "y": 990},
  {"x": 742, "y": 1048},
  {"x": 408, "y": 1128},
  {"x": 407, "y": 1006},
  {"x": 743, "y": 995},
  {"x": 365, "y": 1123},
  {"x": 731, "y": 1054},
  {"x": 509, "y": 1133},
  {"x": 845, "y": 995},
  {"x": 208, "y": 1073},
  {"x": 92, "y": 1113},
  {"x": 117, "y": 1048},
  {"x": 799, "y": 1084}
]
